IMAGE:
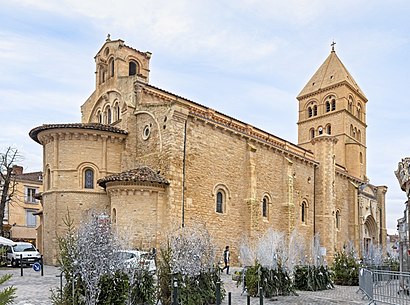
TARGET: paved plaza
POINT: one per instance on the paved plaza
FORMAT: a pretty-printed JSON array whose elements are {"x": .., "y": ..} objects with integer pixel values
[{"x": 34, "y": 289}]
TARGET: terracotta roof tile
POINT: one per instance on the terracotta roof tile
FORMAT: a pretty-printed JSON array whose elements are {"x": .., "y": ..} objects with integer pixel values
[
  {"x": 96, "y": 126},
  {"x": 34, "y": 176},
  {"x": 139, "y": 174}
]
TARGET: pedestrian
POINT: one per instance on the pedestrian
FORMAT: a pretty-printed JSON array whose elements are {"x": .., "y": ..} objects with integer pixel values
[{"x": 227, "y": 258}]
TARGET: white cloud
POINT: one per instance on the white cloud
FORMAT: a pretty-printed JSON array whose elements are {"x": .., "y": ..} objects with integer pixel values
[{"x": 228, "y": 55}]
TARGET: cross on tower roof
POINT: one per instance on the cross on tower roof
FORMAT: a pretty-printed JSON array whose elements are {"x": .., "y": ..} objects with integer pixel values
[{"x": 333, "y": 45}]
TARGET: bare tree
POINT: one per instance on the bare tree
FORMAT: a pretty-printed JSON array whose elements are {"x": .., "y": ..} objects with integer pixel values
[{"x": 7, "y": 180}]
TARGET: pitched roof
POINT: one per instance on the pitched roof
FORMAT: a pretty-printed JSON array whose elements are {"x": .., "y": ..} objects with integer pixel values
[
  {"x": 33, "y": 177},
  {"x": 95, "y": 126},
  {"x": 331, "y": 72},
  {"x": 139, "y": 174}
]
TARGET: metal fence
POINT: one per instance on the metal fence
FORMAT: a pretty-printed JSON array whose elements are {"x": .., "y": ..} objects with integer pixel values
[{"x": 388, "y": 287}]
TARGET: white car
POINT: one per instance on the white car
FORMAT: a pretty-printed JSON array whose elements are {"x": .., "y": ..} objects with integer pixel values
[
  {"x": 137, "y": 259},
  {"x": 25, "y": 250}
]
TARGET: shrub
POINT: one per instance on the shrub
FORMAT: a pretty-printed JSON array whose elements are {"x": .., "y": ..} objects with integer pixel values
[
  {"x": 345, "y": 268},
  {"x": 7, "y": 295},
  {"x": 273, "y": 281},
  {"x": 312, "y": 278}
]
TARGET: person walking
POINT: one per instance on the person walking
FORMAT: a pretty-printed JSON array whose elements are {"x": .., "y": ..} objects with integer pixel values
[{"x": 227, "y": 255}]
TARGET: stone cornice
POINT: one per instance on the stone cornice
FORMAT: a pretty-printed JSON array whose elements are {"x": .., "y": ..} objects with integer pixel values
[
  {"x": 343, "y": 173},
  {"x": 50, "y": 135},
  {"x": 324, "y": 138},
  {"x": 141, "y": 174},
  {"x": 321, "y": 90},
  {"x": 97, "y": 191},
  {"x": 133, "y": 186},
  {"x": 78, "y": 128}
]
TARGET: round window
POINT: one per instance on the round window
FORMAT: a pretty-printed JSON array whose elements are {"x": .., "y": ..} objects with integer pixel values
[{"x": 146, "y": 132}]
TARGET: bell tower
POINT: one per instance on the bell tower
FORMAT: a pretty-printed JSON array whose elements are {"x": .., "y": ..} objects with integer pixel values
[{"x": 332, "y": 104}]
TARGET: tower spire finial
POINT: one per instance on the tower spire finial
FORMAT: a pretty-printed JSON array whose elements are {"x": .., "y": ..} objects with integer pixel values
[{"x": 333, "y": 45}]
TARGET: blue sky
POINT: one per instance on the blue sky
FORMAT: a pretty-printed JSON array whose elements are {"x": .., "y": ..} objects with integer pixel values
[{"x": 246, "y": 58}]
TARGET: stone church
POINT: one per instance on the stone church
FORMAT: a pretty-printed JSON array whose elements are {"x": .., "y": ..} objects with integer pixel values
[{"x": 155, "y": 161}]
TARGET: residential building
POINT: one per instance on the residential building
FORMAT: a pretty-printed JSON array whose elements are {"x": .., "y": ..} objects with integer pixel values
[{"x": 20, "y": 219}]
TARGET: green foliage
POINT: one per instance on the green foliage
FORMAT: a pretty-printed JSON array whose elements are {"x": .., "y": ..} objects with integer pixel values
[
  {"x": 142, "y": 288},
  {"x": 252, "y": 279},
  {"x": 273, "y": 281},
  {"x": 197, "y": 290},
  {"x": 164, "y": 275},
  {"x": 312, "y": 278},
  {"x": 392, "y": 263},
  {"x": 345, "y": 268},
  {"x": 7, "y": 295},
  {"x": 67, "y": 247},
  {"x": 114, "y": 289}
]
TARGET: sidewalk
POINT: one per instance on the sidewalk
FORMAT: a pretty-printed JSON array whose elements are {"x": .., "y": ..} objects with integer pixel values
[{"x": 34, "y": 289}]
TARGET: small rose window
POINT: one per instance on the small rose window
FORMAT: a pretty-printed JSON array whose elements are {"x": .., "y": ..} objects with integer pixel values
[{"x": 146, "y": 132}]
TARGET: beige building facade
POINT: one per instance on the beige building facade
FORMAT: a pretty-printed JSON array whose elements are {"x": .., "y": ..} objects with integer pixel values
[
  {"x": 155, "y": 161},
  {"x": 21, "y": 218}
]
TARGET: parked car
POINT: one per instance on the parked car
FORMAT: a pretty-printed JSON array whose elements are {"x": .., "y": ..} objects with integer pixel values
[
  {"x": 22, "y": 249},
  {"x": 137, "y": 259}
]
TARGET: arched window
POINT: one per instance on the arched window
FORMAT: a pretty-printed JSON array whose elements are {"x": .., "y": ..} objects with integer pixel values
[
  {"x": 359, "y": 111},
  {"x": 328, "y": 129},
  {"x": 117, "y": 111},
  {"x": 320, "y": 130},
  {"x": 330, "y": 103},
  {"x": 265, "y": 207},
  {"x": 48, "y": 178},
  {"x": 361, "y": 158},
  {"x": 312, "y": 133},
  {"x": 359, "y": 135},
  {"x": 315, "y": 110},
  {"x": 337, "y": 219},
  {"x": 109, "y": 115},
  {"x": 114, "y": 216},
  {"x": 350, "y": 106},
  {"x": 89, "y": 178},
  {"x": 111, "y": 65},
  {"x": 220, "y": 196},
  {"x": 310, "y": 112},
  {"x": 355, "y": 133},
  {"x": 351, "y": 131},
  {"x": 303, "y": 212},
  {"x": 99, "y": 117},
  {"x": 132, "y": 68}
]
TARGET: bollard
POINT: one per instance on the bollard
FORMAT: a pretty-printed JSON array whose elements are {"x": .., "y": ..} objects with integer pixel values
[
  {"x": 175, "y": 293},
  {"x": 248, "y": 300},
  {"x": 61, "y": 284},
  {"x": 260, "y": 296},
  {"x": 42, "y": 265},
  {"x": 21, "y": 264},
  {"x": 229, "y": 298},
  {"x": 218, "y": 293}
]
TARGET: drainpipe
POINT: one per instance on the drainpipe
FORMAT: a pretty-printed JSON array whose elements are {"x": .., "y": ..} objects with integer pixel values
[
  {"x": 183, "y": 176},
  {"x": 314, "y": 199}
]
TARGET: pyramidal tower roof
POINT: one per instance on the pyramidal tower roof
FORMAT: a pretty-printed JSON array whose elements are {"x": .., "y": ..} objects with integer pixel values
[{"x": 330, "y": 73}]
